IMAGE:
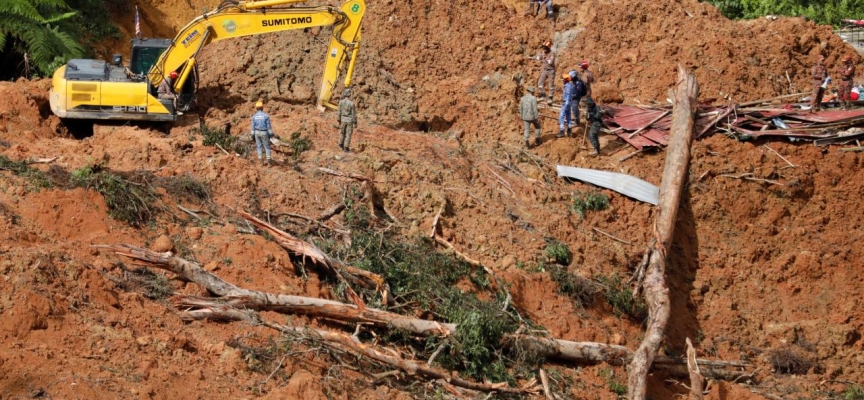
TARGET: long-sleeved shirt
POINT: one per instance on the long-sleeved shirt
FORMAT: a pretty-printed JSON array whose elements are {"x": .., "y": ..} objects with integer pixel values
[
  {"x": 165, "y": 89},
  {"x": 595, "y": 114},
  {"x": 347, "y": 113},
  {"x": 261, "y": 123},
  {"x": 847, "y": 71},
  {"x": 528, "y": 108},
  {"x": 818, "y": 73},
  {"x": 588, "y": 78},
  {"x": 548, "y": 60},
  {"x": 567, "y": 94}
]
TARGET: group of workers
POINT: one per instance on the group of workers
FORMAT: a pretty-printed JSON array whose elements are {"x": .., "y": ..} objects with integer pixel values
[
  {"x": 262, "y": 130},
  {"x": 576, "y": 87},
  {"x": 819, "y": 74}
]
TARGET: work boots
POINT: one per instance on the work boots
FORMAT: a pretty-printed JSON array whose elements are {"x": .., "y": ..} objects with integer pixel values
[
  {"x": 569, "y": 131},
  {"x": 527, "y": 144},
  {"x": 560, "y": 133},
  {"x": 537, "y": 141}
]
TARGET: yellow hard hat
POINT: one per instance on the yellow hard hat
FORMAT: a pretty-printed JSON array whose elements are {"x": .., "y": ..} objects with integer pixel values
[{"x": 259, "y": 104}]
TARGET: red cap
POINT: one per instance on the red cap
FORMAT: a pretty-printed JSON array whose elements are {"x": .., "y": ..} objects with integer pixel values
[
  {"x": 173, "y": 75},
  {"x": 584, "y": 64}
]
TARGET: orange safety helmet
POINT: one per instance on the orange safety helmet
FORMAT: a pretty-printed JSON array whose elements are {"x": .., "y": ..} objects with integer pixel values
[
  {"x": 566, "y": 77},
  {"x": 547, "y": 44},
  {"x": 173, "y": 74}
]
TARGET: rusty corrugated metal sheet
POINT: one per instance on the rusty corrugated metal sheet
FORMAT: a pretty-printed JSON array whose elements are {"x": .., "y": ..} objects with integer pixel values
[
  {"x": 829, "y": 116},
  {"x": 637, "y": 141},
  {"x": 632, "y": 118}
]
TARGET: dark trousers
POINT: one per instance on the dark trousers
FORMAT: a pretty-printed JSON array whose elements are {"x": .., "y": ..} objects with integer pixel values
[
  {"x": 593, "y": 132},
  {"x": 816, "y": 97}
]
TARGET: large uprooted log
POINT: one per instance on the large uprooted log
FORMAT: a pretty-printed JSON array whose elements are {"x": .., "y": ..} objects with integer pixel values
[
  {"x": 236, "y": 298},
  {"x": 256, "y": 300},
  {"x": 672, "y": 182}
]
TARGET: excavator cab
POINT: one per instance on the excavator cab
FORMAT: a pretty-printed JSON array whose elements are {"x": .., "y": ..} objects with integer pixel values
[{"x": 145, "y": 52}]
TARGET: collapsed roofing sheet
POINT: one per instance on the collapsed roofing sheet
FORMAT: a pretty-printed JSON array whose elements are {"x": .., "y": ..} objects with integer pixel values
[{"x": 627, "y": 185}]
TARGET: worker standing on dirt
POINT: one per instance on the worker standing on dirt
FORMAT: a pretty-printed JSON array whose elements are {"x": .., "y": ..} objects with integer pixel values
[
  {"x": 547, "y": 70},
  {"x": 347, "y": 115},
  {"x": 534, "y": 7},
  {"x": 530, "y": 116},
  {"x": 819, "y": 75},
  {"x": 579, "y": 91},
  {"x": 595, "y": 115},
  {"x": 847, "y": 73},
  {"x": 564, "y": 116},
  {"x": 587, "y": 77},
  {"x": 261, "y": 131},
  {"x": 165, "y": 91}
]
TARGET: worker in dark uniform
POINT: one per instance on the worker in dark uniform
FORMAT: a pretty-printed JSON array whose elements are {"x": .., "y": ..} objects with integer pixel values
[
  {"x": 819, "y": 74},
  {"x": 587, "y": 77},
  {"x": 547, "y": 70},
  {"x": 595, "y": 115},
  {"x": 347, "y": 115},
  {"x": 847, "y": 74}
]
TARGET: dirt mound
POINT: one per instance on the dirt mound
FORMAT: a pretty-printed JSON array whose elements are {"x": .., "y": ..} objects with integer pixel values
[{"x": 759, "y": 269}]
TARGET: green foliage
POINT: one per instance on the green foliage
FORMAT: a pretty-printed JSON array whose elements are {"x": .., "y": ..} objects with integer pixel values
[
  {"x": 299, "y": 144},
  {"x": 578, "y": 289},
  {"x": 217, "y": 136},
  {"x": 427, "y": 283},
  {"x": 36, "y": 179},
  {"x": 853, "y": 392},
  {"x": 823, "y": 12},
  {"x": 559, "y": 252},
  {"x": 185, "y": 186},
  {"x": 620, "y": 297},
  {"x": 41, "y": 32},
  {"x": 589, "y": 201},
  {"x": 128, "y": 201}
]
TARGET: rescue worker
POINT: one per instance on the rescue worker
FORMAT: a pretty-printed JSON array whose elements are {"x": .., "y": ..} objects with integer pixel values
[
  {"x": 564, "y": 116},
  {"x": 587, "y": 77},
  {"x": 819, "y": 75},
  {"x": 165, "y": 91},
  {"x": 261, "y": 131},
  {"x": 534, "y": 7},
  {"x": 530, "y": 116},
  {"x": 847, "y": 73},
  {"x": 347, "y": 116},
  {"x": 594, "y": 115},
  {"x": 578, "y": 90},
  {"x": 547, "y": 70}
]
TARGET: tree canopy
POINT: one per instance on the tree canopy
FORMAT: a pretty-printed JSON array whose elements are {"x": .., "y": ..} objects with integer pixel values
[
  {"x": 822, "y": 11},
  {"x": 37, "y": 36}
]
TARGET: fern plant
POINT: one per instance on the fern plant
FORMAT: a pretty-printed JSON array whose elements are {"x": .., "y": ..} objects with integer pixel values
[{"x": 33, "y": 28}]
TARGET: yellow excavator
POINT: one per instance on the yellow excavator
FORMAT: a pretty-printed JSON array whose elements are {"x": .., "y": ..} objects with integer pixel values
[{"x": 98, "y": 90}]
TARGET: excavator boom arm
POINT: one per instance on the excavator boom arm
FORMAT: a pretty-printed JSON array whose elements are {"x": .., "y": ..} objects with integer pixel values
[{"x": 233, "y": 20}]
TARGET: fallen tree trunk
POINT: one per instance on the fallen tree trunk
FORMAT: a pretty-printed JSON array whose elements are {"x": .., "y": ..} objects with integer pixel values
[
  {"x": 349, "y": 344},
  {"x": 239, "y": 299},
  {"x": 257, "y": 300},
  {"x": 672, "y": 182}
]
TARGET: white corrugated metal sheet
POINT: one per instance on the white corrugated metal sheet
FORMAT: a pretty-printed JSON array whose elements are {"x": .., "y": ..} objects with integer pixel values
[{"x": 627, "y": 185}]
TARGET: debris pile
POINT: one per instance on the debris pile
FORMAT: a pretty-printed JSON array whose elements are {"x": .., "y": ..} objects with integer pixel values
[{"x": 648, "y": 127}]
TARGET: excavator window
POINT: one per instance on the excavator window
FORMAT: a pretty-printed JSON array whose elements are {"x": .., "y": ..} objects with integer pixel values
[{"x": 145, "y": 52}]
